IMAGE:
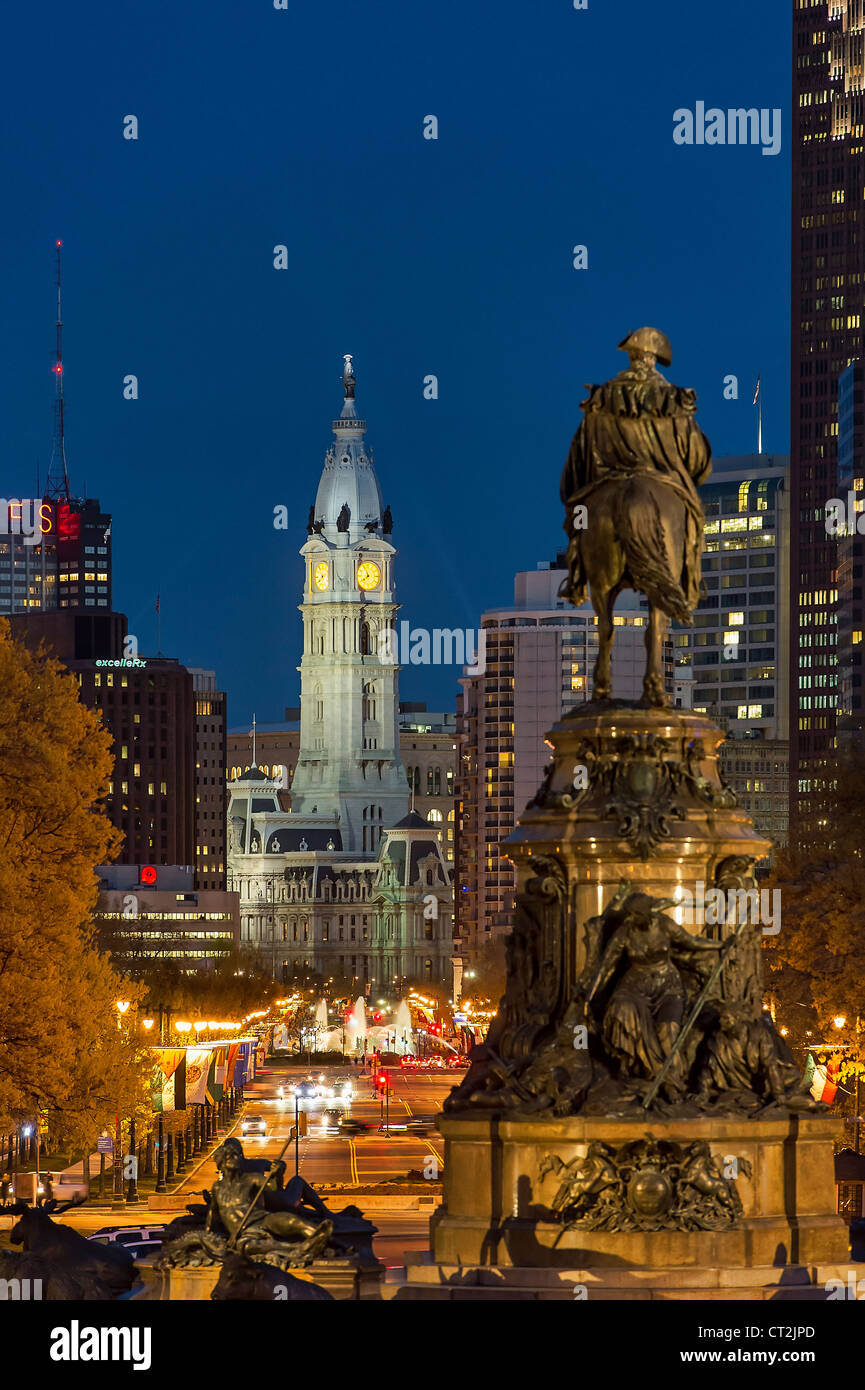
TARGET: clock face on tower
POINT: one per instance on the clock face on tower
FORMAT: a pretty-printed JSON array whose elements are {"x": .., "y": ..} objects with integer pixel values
[
  {"x": 321, "y": 576},
  {"x": 368, "y": 575}
]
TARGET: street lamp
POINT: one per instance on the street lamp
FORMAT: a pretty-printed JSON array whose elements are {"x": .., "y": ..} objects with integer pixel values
[{"x": 122, "y": 1006}]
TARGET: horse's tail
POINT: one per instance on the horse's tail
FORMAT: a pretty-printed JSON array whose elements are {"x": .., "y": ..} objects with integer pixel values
[{"x": 641, "y": 535}]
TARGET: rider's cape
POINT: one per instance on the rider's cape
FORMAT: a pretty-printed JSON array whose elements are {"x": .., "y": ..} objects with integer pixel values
[{"x": 641, "y": 424}]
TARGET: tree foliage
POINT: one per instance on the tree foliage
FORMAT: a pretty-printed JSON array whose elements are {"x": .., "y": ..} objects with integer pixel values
[
  {"x": 488, "y": 978},
  {"x": 229, "y": 991},
  {"x": 62, "y": 1055},
  {"x": 816, "y": 963}
]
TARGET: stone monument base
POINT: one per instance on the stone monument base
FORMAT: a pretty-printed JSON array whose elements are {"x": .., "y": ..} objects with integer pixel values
[
  {"x": 496, "y": 1209},
  {"x": 607, "y": 1283},
  {"x": 343, "y": 1279}
]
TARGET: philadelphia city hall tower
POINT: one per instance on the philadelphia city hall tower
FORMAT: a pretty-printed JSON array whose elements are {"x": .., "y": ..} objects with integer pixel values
[{"x": 350, "y": 882}]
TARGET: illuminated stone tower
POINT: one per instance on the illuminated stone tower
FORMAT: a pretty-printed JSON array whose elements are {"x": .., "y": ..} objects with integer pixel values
[{"x": 349, "y": 760}]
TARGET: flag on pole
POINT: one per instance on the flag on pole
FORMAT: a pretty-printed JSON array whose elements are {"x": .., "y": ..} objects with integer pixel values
[
  {"x": 756, "y": 392},
  {"x": 169, "y": 1089},
  {"x": 823, "y": 1076}
]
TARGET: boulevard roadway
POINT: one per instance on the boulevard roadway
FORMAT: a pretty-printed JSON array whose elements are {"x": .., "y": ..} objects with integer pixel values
[
  {"x": 364, "y": 1159},
  {"x": 325, "y": 1156}
]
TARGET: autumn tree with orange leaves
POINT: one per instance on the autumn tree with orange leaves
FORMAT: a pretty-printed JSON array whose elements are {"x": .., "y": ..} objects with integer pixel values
[{"x": 63, "y": 1057}]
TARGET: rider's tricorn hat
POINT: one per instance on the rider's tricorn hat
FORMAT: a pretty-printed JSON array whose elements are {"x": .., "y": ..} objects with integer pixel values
[{"x": 649, "y": 340}]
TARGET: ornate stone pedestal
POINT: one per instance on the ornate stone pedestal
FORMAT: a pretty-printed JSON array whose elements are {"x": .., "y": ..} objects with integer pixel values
[
  {"x": 634, "y": 793},
  {"x": 497, "y": 1209},
  {"x": 633, "y": 1122}
]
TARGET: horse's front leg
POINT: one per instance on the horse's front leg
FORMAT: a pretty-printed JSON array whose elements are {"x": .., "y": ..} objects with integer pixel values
[
  {"x": 653, "y": 682},
  {"x": 602, "y": 680}
]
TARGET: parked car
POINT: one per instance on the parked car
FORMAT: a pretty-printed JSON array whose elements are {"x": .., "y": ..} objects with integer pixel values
[
  {"x": 142, "y": 1242},
  {"x": 253, "y": 1125}
]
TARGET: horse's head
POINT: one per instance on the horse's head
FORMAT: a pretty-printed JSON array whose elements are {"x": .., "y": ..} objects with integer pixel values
[{"x": 550, "y": 1163}]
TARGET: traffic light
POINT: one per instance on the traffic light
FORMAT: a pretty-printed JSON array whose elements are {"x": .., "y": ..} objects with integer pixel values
[
  {"x": 377, "y": 1018},
  {"x": 303, "y": 1123}
]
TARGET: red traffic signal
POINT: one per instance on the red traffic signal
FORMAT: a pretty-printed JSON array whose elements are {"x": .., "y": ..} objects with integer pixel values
[{"x": 377, "y": 1018}]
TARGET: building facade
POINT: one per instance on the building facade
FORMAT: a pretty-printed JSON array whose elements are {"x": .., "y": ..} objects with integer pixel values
[
  {"x": 211, "y": 792},
  {"x": 55, "y": 553},
  {"x": 167, "y": 791},
  {"x": 427, "y": 749},
  {"x": 147, "y": 915},
  {"x": 737, "y": 652},
  {"x": 827, "y": 270},
  {"x": 851, "y": 550}
]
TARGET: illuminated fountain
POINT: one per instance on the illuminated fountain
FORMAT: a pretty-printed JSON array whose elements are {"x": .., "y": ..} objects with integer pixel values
[{"x": 402, "y": 1027}]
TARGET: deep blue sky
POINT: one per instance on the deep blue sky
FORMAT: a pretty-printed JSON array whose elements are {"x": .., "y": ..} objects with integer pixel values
[{"x": 453, "y": 257}]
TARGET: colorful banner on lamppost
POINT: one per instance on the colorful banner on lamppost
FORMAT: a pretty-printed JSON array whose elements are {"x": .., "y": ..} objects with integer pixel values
[
  {"x": 216, "y": 1075},
  {"x": 197, "y": 1067},
  {"x": 232, "y": 1054},
  {"x": 169, "y": 1079}
]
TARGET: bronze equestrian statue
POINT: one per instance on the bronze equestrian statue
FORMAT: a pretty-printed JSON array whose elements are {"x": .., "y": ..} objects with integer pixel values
[{"x": 633, "y": 516}]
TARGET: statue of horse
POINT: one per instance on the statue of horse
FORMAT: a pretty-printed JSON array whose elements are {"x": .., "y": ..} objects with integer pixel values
[
  {"x": 111, "y": 1266},
  {"x": 633, "y": 516}
]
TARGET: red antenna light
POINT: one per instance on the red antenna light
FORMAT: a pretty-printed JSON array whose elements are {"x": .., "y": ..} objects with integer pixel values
[{"x": 58, "y": 243}]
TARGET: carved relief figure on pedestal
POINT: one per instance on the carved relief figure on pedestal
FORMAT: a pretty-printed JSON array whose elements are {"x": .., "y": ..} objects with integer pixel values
[{"x": 643, "y": 1016}]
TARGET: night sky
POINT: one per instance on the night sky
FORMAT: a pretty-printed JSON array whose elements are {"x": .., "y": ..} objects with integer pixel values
[{"x": 453, "y": 257}]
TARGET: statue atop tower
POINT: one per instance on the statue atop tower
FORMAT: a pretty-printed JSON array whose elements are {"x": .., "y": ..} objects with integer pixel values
[{"x": 348, "y": 377}]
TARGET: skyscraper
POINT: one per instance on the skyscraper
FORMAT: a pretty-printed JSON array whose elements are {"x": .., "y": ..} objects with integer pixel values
[
  {"x": 828, "y": 262},
  {"x": 736, "y": 650},
  {"x": 211, "y": 792},
  {"x": 851, "y": 549}
]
